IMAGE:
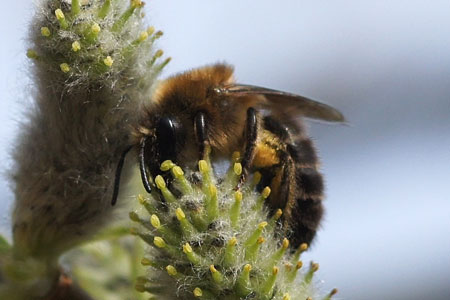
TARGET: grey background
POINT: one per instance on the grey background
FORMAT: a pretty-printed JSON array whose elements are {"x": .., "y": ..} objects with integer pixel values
[{"x": 385, "y": 64}]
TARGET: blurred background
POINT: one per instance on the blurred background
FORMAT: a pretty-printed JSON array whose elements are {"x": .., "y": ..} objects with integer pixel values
[{"x": 384, "y": 64}]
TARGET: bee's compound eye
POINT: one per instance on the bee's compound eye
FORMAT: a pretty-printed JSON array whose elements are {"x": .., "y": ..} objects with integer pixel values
[{"x": 167, "y": 137}]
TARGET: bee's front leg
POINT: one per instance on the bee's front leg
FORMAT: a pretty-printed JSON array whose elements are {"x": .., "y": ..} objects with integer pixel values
[
  {"x": 251, "y": 134},
  {"x": 200, "y": 129}
]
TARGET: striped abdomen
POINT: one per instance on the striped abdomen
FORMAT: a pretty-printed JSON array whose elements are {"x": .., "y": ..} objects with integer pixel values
[{"x": 297, "y": 186}]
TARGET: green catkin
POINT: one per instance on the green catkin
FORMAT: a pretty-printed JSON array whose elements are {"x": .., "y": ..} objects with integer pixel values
[{"x": 209, "y": 260}]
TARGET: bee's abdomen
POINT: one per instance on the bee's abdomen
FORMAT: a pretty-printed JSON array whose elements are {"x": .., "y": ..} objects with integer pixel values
[
  {"x": 307, "y": 187},
  {"x": 307, "y": 209},
  {"x": 297, "y": 184}
]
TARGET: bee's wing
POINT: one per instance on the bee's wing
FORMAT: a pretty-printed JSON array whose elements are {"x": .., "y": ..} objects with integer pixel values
[{"x": 285, "y": 103}]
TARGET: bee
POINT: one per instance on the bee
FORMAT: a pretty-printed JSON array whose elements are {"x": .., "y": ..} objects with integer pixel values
[{"x": 205, "y": 109}]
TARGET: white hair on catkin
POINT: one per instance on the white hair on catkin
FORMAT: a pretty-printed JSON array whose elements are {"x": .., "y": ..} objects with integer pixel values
[{"x": 93, "y": 69}]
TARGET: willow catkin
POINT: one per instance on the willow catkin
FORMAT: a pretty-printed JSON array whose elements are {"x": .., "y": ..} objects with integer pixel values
[{"x": 93, "y": 67}]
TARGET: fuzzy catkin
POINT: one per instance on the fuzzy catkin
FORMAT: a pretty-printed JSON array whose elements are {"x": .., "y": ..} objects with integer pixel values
[{"x": 93, "y": 69}]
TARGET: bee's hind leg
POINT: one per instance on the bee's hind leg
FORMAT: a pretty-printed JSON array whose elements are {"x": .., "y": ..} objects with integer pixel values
[{"x": 251, "y": 134}]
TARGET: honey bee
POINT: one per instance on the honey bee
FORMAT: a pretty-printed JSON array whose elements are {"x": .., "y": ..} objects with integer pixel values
[{"x": 204, "y": 108}]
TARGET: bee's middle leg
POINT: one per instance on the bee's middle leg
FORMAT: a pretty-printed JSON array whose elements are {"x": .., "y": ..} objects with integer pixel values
[{"x": 251, "y": 134}]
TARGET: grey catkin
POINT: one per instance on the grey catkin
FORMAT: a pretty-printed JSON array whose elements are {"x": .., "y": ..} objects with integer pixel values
[{"x": 93, "y": 69}]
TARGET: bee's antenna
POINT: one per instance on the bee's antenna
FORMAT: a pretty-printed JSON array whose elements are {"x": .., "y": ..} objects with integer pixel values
[
  {"x": 144, "y": 176},
  {"x": 117, "y": 176}
]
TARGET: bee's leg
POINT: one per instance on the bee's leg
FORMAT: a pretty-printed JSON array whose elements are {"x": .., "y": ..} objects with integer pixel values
[
  {"x": 118, "y": 174},
  {"x": 251, "y": 133},
  {"x": 201, "y": 133},
  {"x": 143, "y": 169}
]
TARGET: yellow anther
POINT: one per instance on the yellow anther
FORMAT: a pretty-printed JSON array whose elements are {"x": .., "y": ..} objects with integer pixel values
[
  {"x": 146, "y": 262},
  {"x": 59, "y": 14},
  {"x": 314, "y": 267},
  {"x": 76, "y": 46},
  {"x": 187, "y": 248},
  {"x": 238, "y": 196},
  {"x": 285, "y": 243},
  {"x": 167, "y": 165},
  {"x": 262, "y": 225},
  {"x": 32, "y": 54},
  {"x": 235, "y": 156},
  {"x": 177, "y": 172},
  {"x": 159, "y": 53},
  {"x": 136, "y": 3},
  {"x": 180, "y": 214},
  {"x": 160, "y": 183},
  {"x": 213, "y": 190},
  {"x": 303, "y": 247},
  {"x": 171, "y": 270},
  {"x": 64, "y": 67},
  {"x": 237, "y": 168},
  {"x": 154, "y": 220},
  {"x": 275, "y": 270},
  {"x": 288, "y": 266},
  {"x": 134, "y": 216},
  {"x": 198, "y": 292},
  {"x": 212, "y": 269},
  {"x": 278, "y": 214},
  {"x": 260, "y": 240},
  {"x": 95, "y": 28},
  {"x": 203, "y": 166},
  {"x": 108, "y": 61},
  {"x": 247, "y": 267},
  {"x": 299, "y": 265},
  {"x": 266, "y": 192},
  {"x": 143, "y": 36},
  {"x": 159, "y": 242},
  {"x": 45, "y": 31},
  {"x": 286, "y": 297},
  {"x": 150, "y": 30},
  {"x": 256, "y": 178},
  {"x": 233, "y": 241},
  {"x": 141, "y": 199}
]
